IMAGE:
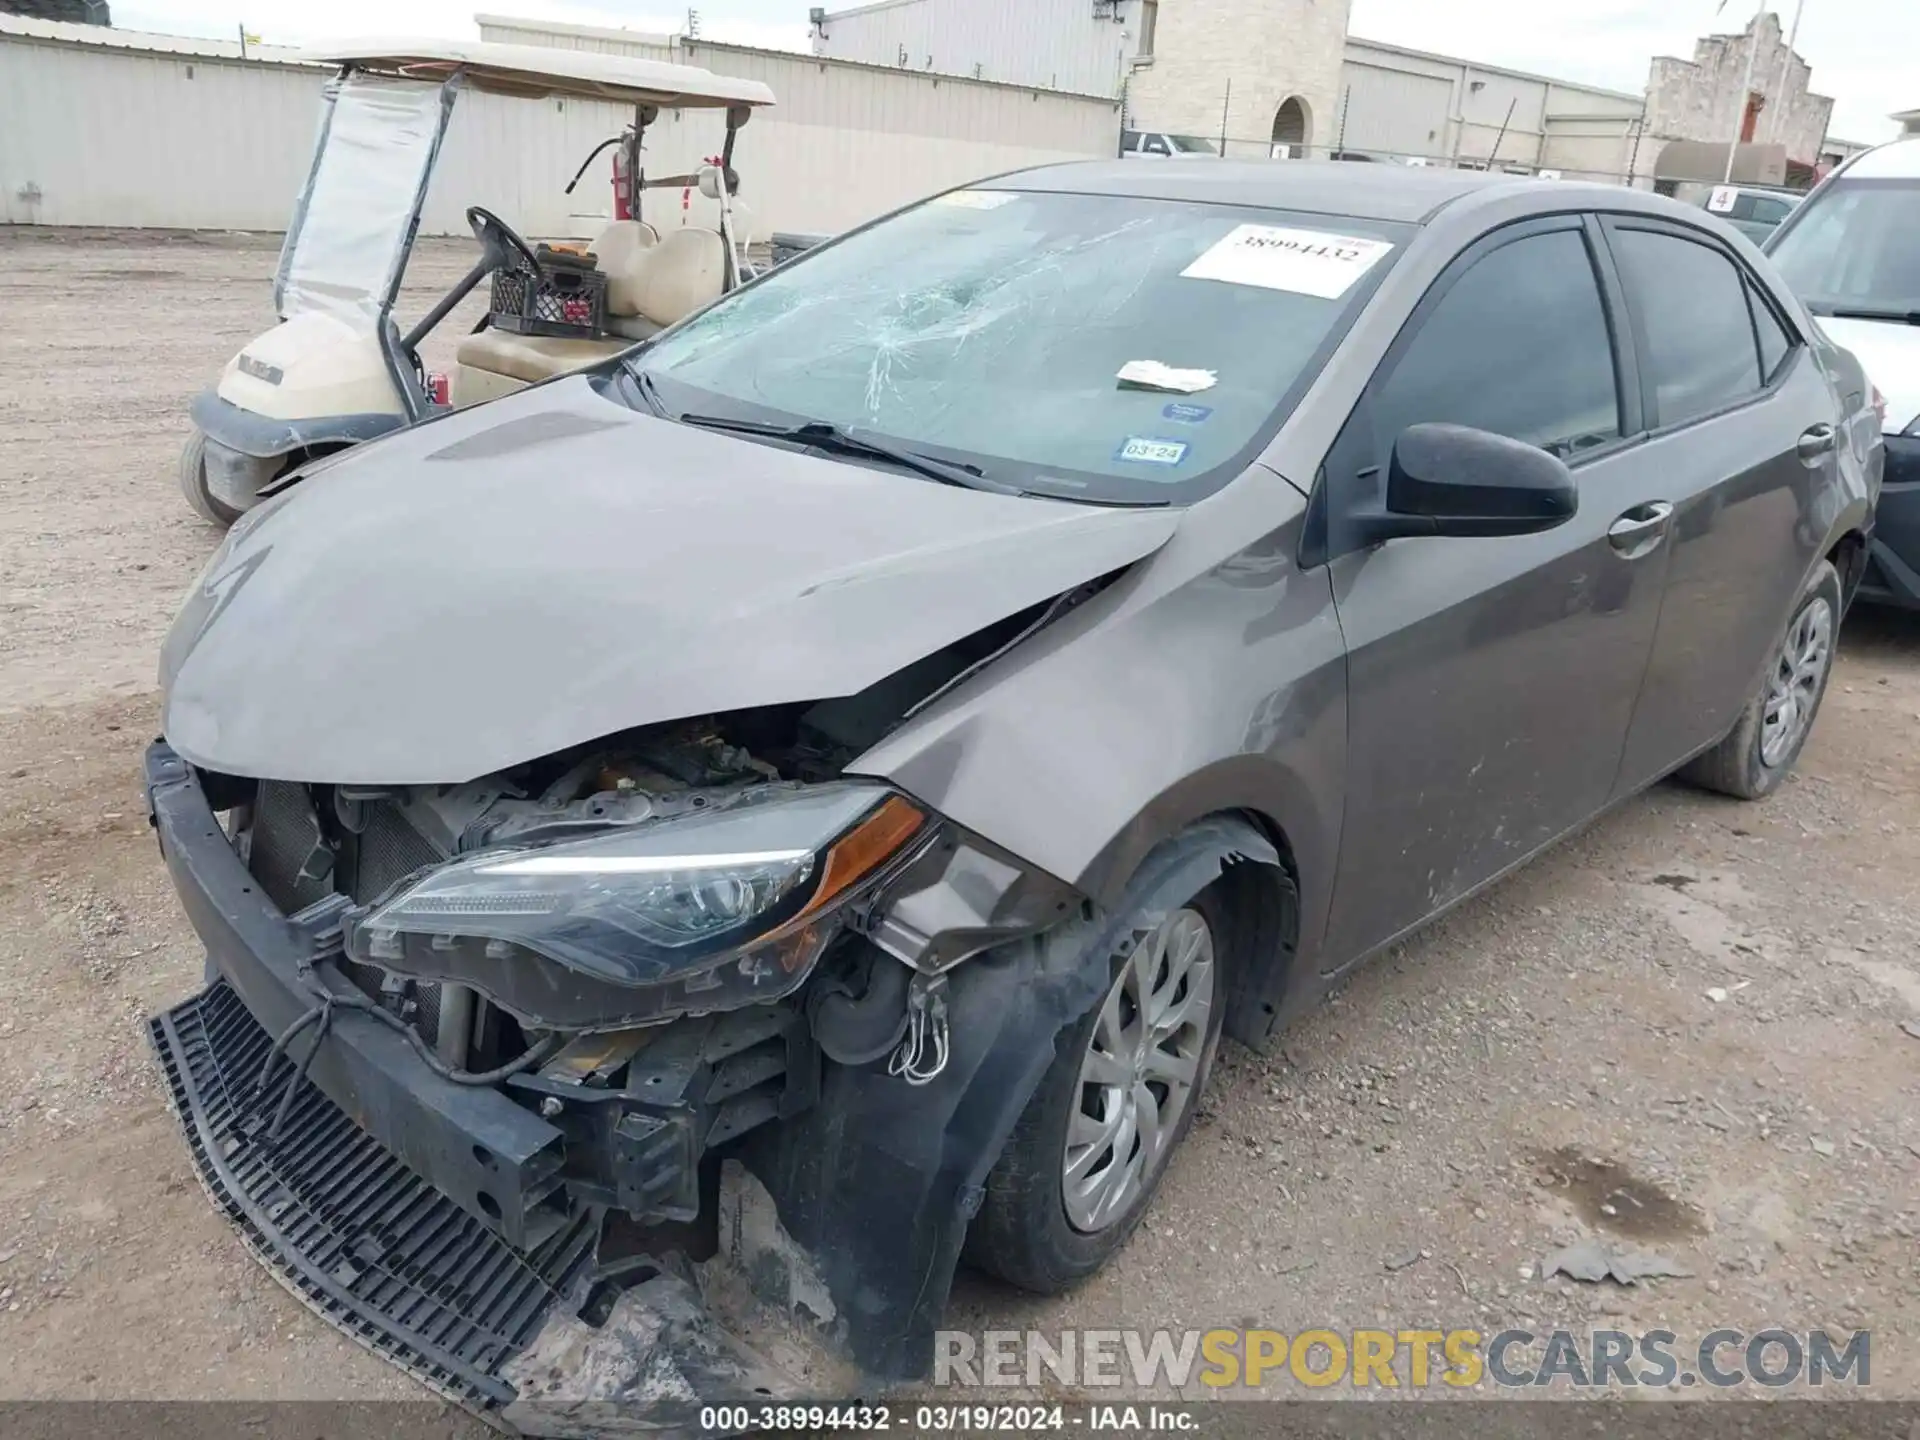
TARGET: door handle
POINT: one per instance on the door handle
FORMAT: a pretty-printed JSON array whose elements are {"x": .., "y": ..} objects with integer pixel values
[
  {"x": 1815, "y": 442},
  {"x": 1640, "y": 529}
]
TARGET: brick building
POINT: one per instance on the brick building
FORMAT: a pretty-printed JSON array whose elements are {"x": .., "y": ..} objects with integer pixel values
[
  {"x": 1259, "y": 71},
  {"x": 1751, "y": 84}
]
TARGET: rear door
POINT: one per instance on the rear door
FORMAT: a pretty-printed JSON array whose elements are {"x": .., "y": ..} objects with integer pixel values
[
  {"x": 1742, "y": 432},
  {"x": 1491, "y": 681}
]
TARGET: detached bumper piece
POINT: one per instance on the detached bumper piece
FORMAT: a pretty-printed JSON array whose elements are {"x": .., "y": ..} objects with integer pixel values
[{"x": 374, "y": 1249}]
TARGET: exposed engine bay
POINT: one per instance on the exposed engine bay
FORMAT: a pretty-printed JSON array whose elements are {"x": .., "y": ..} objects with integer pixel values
[
  {"x": 652, "y": 999},
  {"x": 581, "y": 1001}
]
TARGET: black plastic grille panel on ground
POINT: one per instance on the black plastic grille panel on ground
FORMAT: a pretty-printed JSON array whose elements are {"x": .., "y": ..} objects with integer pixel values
[{"x": 373, "y": 1248}]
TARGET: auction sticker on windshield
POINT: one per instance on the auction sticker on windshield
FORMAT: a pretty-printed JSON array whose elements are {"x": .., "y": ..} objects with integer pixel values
[
  {"x": 1306, "y": 262},
  {"x": 1147, "y": 450}
]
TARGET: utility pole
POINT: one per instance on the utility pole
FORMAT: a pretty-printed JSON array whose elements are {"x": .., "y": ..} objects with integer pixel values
[
  {"x": 1776, "y": 99},
  {"x": 1746, "y": 90}
]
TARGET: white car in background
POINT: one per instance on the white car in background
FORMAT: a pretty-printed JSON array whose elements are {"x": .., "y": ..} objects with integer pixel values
[
  {"x": 1851, "y": 253},
  {"x": 1158, "y": 144}
]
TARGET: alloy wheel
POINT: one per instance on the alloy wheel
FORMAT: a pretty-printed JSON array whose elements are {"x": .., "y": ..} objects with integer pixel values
[
  {"x": 1793, "y": 688},
  {"x": 1140, "y": 1072}
]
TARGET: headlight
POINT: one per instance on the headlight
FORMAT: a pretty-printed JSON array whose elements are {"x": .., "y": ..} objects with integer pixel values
[{"x": 708, "y": 912}]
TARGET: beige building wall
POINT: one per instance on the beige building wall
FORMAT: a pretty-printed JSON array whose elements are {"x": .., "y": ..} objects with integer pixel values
[{"x": 1231, "y": 64}]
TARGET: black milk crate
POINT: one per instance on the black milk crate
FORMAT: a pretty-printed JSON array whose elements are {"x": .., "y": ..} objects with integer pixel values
[{"x": 561, "y": 300}]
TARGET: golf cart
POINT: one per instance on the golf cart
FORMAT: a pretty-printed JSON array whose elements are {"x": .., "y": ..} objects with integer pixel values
[{"x": 337, "y": 369}]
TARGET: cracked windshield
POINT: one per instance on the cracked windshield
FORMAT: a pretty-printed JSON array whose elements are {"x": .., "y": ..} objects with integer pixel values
[{"x": 1093, "y": 347}]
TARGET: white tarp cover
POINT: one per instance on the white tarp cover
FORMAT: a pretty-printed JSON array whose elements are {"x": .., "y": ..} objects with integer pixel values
[{"x": 350, "y": 233}]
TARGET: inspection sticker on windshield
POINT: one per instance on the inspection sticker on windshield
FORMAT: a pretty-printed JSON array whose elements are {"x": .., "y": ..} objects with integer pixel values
[
  {"x": 1305, "y": 262},
  {"x": 973, "y": 199},
  {"x": 1146, "y": 450}
]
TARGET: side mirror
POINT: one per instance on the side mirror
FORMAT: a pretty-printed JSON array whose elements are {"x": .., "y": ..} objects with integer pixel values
[{"x": 1455, "y": 480}]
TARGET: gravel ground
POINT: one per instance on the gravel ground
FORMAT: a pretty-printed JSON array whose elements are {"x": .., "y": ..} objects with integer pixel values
[{"x": 1473, "y": 1101}]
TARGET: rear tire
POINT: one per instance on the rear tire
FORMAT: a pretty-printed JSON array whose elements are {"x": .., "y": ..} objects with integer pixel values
[
  {"x": 193, "y": 484},
  {"x": 1766, "y": 741},
  {"x": 1024, "y": 1233}
]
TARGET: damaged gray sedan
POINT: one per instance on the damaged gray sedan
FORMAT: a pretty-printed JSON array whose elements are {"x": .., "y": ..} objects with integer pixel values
[{"x": 689, "y": 852}]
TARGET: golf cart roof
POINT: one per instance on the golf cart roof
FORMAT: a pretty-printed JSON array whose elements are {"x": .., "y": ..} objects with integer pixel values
[{"x": 536, "y": 71}]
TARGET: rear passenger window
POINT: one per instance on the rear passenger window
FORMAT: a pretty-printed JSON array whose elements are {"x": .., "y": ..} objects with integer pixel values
[
  {"x": 1692, "y": 305},
  {"x": 1517, "y": 345},
  {"x": 1774, "y": 342}
]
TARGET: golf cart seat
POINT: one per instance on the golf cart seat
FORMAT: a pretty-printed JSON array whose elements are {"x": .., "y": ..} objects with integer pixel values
[
  {"x": 651, "y": 283},
  {"x": 668, "y": 282}
]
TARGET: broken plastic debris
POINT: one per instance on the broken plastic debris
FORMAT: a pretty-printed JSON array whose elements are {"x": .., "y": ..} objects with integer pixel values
[
  {"x": 1822, "y": 1147},
  {"x": 1593, "y": 1262},
  {"x": 1170, "y": 379},
  {"x": 1716, "y": 994}
]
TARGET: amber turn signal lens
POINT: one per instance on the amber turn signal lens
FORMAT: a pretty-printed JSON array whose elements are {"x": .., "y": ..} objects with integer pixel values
[{"x": 865, "y": 848}]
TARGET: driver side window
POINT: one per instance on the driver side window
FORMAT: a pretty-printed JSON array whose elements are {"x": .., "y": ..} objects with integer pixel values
[{"x": 1517, "y": 345}]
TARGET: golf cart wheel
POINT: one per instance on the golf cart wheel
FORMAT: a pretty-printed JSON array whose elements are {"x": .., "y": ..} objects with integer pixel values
[
  {"x": 1764, "y": 743},
  {"x": 1089, "y": 1151},
  {"x": 193, "y": 484}
]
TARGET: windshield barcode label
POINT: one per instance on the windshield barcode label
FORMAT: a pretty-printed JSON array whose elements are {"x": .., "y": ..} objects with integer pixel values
[{"x": 1306, "y": 262}]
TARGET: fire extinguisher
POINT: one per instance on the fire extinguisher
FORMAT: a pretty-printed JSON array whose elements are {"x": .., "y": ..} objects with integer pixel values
[
  {"x": 625, "y": 157},
  {"x": 622, "y": 186}
]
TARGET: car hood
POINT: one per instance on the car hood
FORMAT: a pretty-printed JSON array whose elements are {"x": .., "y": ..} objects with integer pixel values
[
  {"x": 1890, "y": 354},
  {"x": 554, "y": 567}
]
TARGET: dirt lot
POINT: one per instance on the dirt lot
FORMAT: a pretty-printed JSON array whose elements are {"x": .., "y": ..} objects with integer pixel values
[{"x": 1407, "y": 1159}]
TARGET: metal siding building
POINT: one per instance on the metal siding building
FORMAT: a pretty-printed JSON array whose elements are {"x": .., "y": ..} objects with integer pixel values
[
  {"x": 224, "y": 143},
  {"x": 114, "y": 131},
  {"x": 849, "y": 141},
  {"x": 1073, "y": 45},
  {"x": 1390, "y": 111},
  {"x": 1405, "y": 104}
]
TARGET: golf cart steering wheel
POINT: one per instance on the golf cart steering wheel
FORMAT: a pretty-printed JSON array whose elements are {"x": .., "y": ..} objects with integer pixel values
[{"x": 496, "y": 237}]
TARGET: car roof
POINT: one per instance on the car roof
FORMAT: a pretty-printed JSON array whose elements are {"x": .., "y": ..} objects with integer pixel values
[
  {"x": 1897, "y": 160},
  {"x": 1379, "y": 191}
]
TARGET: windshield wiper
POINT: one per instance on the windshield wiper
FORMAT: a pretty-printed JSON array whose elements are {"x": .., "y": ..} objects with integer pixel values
[
  {"x": 1861, "y": 312},
  {"x": 824, "y": 435},
  {"x": 649, "y": 389}
]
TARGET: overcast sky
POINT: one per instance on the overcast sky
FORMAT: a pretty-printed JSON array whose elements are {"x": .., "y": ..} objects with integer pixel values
[{"x": 1862, "y": 51}]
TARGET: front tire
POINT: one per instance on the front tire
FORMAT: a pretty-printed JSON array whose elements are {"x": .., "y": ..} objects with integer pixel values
[
  {"x": 1766, "y": 741},
  {"x": 1089, "y": 1152},
  {"x": 193, "y": 484}
]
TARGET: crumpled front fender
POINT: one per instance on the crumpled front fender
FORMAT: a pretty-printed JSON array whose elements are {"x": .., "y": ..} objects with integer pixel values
[{"x": 877, "y": 1182}]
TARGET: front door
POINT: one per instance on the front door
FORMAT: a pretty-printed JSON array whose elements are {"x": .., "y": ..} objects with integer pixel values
[
  {"x": 1491, "y": 681},
  {"x": 1729, "y": 391}
]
